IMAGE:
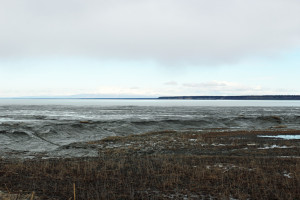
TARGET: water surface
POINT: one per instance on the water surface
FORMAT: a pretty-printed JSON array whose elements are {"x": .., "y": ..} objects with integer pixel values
[{"x": 44, "y": 125}]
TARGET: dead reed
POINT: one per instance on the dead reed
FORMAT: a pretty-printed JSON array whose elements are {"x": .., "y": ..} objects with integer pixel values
[{"x": 190, "y": 165}]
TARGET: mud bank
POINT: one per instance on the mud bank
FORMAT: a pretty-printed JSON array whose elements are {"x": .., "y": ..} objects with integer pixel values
[{"x": 165, "y": 165}]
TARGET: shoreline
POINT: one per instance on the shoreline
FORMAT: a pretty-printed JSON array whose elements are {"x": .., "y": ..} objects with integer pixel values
[{"x": 165, "y": 165}]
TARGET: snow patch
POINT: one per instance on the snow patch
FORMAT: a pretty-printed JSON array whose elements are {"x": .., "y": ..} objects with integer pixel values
[
  {"x": 275, "y": 146},
  {"x": 285, "y": 137},
  {"x": 288, "y": 175}
]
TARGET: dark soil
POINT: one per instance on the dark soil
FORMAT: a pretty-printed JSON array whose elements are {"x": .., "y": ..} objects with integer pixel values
[{"x": 166, "y": 165}]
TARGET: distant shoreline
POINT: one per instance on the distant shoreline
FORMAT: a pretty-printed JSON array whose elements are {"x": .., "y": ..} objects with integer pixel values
[
  {"x": 245, "y": 97},
  {"x": 249, "y": 97}
]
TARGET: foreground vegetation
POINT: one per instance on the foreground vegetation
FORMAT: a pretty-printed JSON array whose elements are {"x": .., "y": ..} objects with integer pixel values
[{"x": 165, "y": 165}]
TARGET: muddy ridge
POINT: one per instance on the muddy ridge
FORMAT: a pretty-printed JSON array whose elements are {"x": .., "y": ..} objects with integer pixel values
[{"x": 165, "y": 165}]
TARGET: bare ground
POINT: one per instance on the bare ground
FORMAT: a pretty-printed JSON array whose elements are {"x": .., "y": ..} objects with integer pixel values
[{"x": 165, "y": 165}]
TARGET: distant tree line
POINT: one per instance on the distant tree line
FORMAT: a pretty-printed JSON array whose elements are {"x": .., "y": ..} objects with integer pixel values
[{"x": 250, "y": 97}]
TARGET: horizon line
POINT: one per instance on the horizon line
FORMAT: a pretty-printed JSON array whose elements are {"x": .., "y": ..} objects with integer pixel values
[{"x": 186, "y": 97}]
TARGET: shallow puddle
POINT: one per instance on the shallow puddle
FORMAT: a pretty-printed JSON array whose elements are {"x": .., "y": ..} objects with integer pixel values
[{"x": 285, "y": 137}]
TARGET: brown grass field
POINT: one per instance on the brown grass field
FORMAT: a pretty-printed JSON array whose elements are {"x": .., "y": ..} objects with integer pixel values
[{"x": 164, "y": 165}]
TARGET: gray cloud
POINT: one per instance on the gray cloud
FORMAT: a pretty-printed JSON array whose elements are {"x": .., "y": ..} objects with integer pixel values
[
  {"x": 207, "y": 84},
  {"x": 226, "y": 88},
  {"x": 171, "y": 83},
  {"x": 194, "y": 31}
]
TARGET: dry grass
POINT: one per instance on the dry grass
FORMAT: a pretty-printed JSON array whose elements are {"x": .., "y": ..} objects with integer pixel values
[{"x": 166, "y": 165}]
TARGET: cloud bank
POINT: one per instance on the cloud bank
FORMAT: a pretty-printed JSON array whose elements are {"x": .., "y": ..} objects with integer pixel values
[{"x": 194, "y": 31}]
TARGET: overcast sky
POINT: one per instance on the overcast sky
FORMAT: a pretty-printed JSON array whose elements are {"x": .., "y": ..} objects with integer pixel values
[{"x": 141, "y": 48}]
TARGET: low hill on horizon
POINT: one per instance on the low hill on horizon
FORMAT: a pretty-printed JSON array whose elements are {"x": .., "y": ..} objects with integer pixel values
[{"x": 244, "y": 97}]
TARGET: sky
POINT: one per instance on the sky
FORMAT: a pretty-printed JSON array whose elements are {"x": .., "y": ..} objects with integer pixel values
[{"x": 149, "y": 48}]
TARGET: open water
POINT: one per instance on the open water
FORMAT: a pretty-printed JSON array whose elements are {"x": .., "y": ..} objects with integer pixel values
[{"x": 47, "y": 125}]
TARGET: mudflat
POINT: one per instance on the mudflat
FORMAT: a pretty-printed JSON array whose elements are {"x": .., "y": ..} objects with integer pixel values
[{"x": 217, "y": 164}]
